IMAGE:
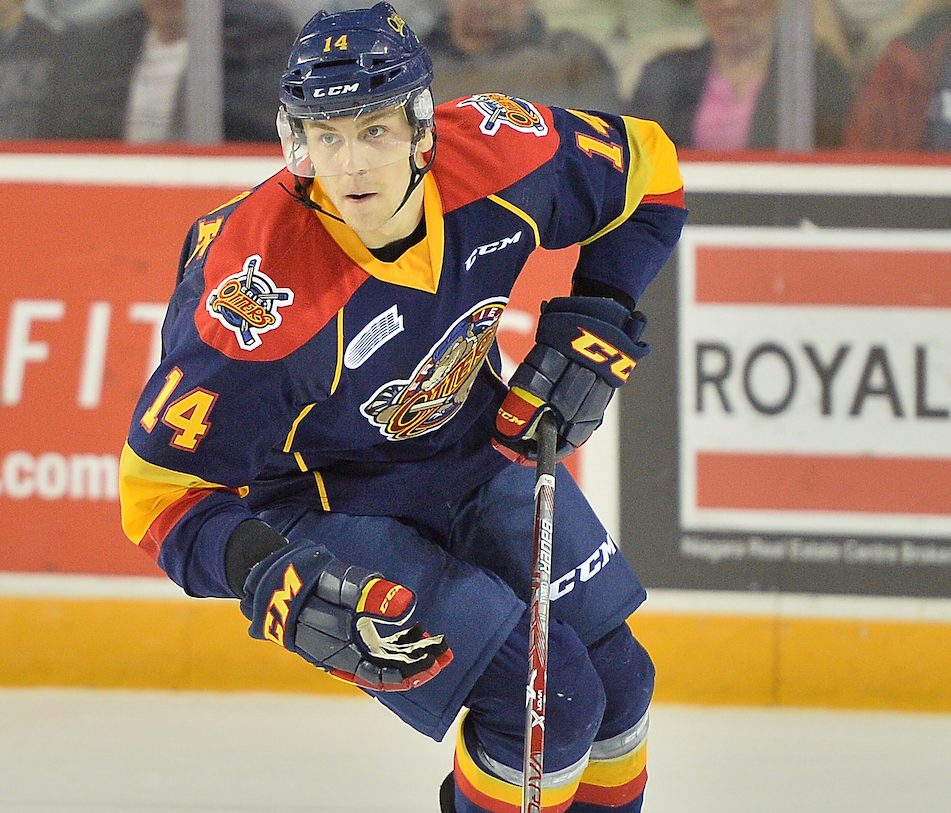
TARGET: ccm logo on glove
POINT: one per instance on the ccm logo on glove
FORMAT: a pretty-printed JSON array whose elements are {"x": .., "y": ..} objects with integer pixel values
[
  {"x": 595, "y": 348},
  {"x": 585, "y": 348},
  {"x": 345, "y": 619},
  {"x": 378, "y": 595},
  {"x": 279, "y": 606},
  {"x": 508, "y": 417}
]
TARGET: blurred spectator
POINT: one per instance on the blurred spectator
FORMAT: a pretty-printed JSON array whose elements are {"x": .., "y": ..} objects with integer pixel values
[
  {"x": 869, "y": 25},
  {"x": 419, "y": 14},
  {"x": 905, "y": 103},
  {"x": 125, "y": 77},
  {"x": 505, "y": 46},
  {"x": 723, "y": 94},
  {"x": 27, "y": 47},
  {"x": 630, "y": 32},
  {"x": 70, "y": 12}
]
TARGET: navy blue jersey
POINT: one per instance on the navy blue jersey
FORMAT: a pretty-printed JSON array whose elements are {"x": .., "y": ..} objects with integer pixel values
[{"x": 298, "y": 368}]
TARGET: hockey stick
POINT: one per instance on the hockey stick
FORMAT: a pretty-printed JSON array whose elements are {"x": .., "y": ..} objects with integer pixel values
[{"x": 546, "y": 436}]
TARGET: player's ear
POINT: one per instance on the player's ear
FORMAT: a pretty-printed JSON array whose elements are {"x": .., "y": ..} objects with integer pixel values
[{"x": 426, "y": 142}]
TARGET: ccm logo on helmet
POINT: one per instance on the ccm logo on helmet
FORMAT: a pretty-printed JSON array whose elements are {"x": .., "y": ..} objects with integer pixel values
[
  {"x": 598, "y": 350},
  {"x": 336, "y": 90}
]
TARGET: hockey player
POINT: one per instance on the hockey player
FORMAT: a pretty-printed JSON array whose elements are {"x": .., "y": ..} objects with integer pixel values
[{"x": 322, "y": 438}]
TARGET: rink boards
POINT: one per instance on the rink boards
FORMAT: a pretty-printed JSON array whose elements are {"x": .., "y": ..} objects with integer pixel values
[{"x": 789, "y": 597}]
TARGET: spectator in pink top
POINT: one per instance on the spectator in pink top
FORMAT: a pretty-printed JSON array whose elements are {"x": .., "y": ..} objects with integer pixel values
[{"x": 722, "y": 95}]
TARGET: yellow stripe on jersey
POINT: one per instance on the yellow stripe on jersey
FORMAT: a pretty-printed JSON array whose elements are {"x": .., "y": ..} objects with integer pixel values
[
  {"x": 340, "y": 341},
  {"x": 639, "y": 170},
  {"x": 666, "y": 175},
  {"x": 290, "y": 435},
  {"x": 146, "y": 490},
  {"x": 318, "y": 479},
  {"x": 235, "y": 199},
  {"x": 419, "y": 267},
  {"x": 321, "y": 490},
  {"x": 520, "y": 213}
]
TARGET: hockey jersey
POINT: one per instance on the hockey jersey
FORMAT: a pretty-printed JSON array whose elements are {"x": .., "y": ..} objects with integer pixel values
[{"x": 299, "y": 368}]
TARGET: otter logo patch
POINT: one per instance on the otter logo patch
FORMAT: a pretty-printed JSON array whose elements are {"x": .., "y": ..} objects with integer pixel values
[{"x": 441, "y": 382}]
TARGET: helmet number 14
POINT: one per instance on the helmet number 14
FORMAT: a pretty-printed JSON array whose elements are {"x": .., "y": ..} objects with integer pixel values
[{"x": 339, "y": 44}]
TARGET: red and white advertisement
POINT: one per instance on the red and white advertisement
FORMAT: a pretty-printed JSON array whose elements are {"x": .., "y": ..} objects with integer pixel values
[
  {"x": 91, "y": 244},
  {"x": 815, "y": 381}
]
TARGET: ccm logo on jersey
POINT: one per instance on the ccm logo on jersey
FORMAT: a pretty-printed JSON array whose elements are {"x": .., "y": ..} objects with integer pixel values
[
  {"x": 279, "y": 606},
  {"x": 586, "y": 571},
  {"x": 491, "y": 248},
  {"x": 597, "y": 350},
  {"x": 336, "y": 90}
]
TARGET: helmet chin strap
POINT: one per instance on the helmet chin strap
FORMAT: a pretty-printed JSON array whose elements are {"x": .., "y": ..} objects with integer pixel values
[
  {"x": 416, "y": 173},
  {"x": 300, "y": 194}
]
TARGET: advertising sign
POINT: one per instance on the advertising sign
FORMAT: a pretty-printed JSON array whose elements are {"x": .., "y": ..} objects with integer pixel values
[
  {"x": 89, "y": 268},
  {"x": 803, "y": 442},
  {"x": 815, "y": 393}
]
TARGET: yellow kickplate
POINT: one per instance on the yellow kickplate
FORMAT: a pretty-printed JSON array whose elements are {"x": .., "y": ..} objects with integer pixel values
[{"x": 701, "y": 658}]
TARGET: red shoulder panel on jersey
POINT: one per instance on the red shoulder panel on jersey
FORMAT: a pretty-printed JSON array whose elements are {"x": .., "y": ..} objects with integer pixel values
[
  {"x": 486, "y": 143},
  {"x": 162, "y": 526},
  {"x": 264, "y": 295},
  {"x": 675, "y": 198}
]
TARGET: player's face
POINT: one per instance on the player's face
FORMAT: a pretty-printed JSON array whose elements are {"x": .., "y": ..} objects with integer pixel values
[{"x": 362, "y": 164}]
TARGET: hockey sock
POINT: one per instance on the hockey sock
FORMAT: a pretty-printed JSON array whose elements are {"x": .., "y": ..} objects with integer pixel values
[
  {"x": 616, "y": 774},
  {"x": 490, "y": 745},
  {"x": 617, "y": 770},
  {"x": 485, "y": 786}
]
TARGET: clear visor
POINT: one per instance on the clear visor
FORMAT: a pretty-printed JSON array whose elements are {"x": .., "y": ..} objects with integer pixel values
[{"x": 353, "y": 142}]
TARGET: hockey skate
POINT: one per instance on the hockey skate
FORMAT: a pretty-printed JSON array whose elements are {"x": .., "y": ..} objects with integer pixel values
[{"x": 447, "y": 795}]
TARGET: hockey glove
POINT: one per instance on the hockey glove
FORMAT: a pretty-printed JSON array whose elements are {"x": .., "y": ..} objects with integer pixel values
[
  {"x": 331, "y": 614},
  {"x": 585, "y": 348}
]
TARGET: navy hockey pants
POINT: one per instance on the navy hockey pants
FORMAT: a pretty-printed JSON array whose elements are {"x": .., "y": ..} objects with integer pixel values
[{"x": 469, "y": 562}]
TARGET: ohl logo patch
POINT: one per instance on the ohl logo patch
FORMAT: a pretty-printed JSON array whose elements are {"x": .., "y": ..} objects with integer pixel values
[
  {"x": 442, "y": 380},
  {"x": 498, "y": 109},
  {"x": 247, "y": 303}
]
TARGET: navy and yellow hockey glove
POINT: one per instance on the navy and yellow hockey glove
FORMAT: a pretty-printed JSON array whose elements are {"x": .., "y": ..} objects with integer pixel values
[
  {"x": 331, "y": 614},
  {"x": 585, "y": 348}
]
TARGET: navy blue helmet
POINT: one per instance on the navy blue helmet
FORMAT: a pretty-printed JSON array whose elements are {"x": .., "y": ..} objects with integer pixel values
[
  {"x": 348, "y": 64},
  {"x": 356, "y": 61}
]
